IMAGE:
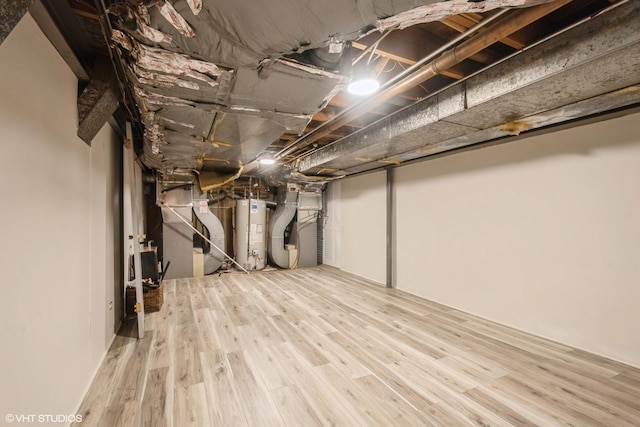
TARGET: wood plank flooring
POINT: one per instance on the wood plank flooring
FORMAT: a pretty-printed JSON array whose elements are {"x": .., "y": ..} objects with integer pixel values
[{"x": 318, "y": 347}]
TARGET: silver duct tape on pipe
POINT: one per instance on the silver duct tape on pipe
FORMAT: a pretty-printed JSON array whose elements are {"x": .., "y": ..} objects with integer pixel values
[
  {"x": 286, "y": 209},
  {"x": 203, "y": 236}
]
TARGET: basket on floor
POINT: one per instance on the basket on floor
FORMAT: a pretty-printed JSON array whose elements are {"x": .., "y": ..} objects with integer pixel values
[{"x": 153, "y": 299}]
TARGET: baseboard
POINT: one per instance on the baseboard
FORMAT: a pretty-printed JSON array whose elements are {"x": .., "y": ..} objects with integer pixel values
[
  {"x": 93, "y": 375},
  {"x": 623, "y": 362}
]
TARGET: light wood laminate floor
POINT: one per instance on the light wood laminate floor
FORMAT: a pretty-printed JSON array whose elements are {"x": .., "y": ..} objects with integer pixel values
[{"x": 320, "y": 347}]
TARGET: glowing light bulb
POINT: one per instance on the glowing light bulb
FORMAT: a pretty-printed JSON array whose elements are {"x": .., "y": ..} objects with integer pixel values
[
  {"x": 363, "y": 87},
  {"x": 267, "y": 161}
]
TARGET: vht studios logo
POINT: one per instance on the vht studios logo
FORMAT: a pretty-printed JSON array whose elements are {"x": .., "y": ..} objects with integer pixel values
[{"x": 43, "y": 418}]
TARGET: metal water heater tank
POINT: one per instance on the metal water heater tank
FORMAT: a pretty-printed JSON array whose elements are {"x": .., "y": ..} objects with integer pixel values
[{"x": 251, "y": 241}]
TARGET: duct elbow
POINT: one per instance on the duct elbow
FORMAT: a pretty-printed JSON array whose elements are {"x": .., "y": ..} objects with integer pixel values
[{"x": 278, "y": 223}]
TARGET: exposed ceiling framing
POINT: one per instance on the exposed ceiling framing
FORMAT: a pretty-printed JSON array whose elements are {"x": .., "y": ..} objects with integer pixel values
[
  {"x": 586, "y": 70},
  {"x": 213, "y": 85}
]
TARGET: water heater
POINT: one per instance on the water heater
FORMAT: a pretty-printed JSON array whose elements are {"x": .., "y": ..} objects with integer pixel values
[{"x": 251, "y": 242}]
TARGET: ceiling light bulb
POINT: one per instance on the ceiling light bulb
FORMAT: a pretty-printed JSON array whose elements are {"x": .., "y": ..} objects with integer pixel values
[
  {"x": 363, "y": 87},
  {"x": 267, "y": 161}
]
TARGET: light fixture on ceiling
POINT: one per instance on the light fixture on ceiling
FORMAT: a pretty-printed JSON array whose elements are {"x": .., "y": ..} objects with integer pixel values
[
  {"x": 267, "y": 161},
  {"x": 363, "y": 86}
]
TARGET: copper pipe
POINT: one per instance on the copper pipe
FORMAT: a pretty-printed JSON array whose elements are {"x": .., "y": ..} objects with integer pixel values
[{"x": 500, "y": 30}]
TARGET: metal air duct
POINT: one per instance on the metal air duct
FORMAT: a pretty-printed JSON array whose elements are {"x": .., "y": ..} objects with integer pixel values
[
  {"x": 589, "y": 69},
  {"x": 287, "y": 203},
  {"x": 213, "y": 258}
]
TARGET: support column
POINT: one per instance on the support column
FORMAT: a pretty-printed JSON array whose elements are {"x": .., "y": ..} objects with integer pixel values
[{"x": 390, "y": 229}]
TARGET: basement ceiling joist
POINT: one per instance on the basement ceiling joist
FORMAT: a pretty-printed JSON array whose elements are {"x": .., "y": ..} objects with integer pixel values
[
  {"x": 587, "y": 70},
  {"x": 212, "y": 85},
  {"x": 216, "y": 82}
]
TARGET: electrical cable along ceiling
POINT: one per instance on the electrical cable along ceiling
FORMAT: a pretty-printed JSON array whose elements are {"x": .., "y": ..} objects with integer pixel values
[{"x": 217, "y": 82}]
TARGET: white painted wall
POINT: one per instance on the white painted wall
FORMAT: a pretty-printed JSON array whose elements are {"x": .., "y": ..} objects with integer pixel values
[
  {"x": 104, "y": 241},
  {"x": 542, "y": 234},
  {"x": 58, "y": 232},
  {"x": 363, "y": 230}
]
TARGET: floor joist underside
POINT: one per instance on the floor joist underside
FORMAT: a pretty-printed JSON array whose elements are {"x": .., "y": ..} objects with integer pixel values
[{"x": 320, "y": 347}]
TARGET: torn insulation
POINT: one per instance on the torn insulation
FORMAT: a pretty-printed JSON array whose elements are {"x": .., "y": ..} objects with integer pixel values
[{"x": 176, "y": 20}]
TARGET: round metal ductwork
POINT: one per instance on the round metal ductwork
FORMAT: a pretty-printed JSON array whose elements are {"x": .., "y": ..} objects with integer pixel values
[{"x": 324, "y": 58}]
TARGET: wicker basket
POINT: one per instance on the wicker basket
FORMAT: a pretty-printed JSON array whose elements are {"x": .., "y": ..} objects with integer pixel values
[{"x": 153, "y": 300}]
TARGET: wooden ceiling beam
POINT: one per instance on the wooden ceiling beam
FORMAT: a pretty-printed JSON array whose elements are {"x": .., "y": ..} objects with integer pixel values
[
  {"x": 463, "y": 22},
  {"x": 344, "y": 100},
  {"x": 83, "y": 9},
  {"x": 453, "y": 72},
  {"x": 408, "y": 46},
  {"x": 323, "y": 116},
  {"x": 379, "y": 67},
  {"x": 405, "y": 46}
]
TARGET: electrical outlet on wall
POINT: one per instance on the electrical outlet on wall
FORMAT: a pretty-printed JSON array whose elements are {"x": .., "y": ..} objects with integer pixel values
[{"x": 110, "y": 305}]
